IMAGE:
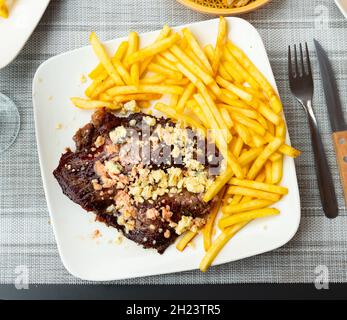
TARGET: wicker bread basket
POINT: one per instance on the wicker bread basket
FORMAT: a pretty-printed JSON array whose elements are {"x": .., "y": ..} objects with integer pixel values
[{"x": 219, "y": 8}]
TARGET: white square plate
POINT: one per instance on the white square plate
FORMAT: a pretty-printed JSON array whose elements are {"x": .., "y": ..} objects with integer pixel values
[
  {"x": 55, "y": 82},
  {"x": 16, "y": 30}
]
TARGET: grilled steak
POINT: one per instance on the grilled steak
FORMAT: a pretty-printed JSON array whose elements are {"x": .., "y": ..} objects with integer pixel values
[{"x": 120, "y": 171}]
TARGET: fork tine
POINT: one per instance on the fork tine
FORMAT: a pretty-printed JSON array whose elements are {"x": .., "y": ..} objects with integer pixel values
[
  {"x": 290, "y": 66},
  {"x": 296, "y": 61},
  {"x": 302, "y": 60},
  {"x": 309, "y": 70}
]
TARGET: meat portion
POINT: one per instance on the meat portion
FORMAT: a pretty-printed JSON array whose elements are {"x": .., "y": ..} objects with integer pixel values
[{"x": 150, "y": 201}]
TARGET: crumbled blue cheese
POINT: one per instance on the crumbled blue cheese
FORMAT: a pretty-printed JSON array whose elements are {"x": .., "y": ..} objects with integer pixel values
[
  {"x": 175, "y": 174},
  {"x": 113, "y": 167},
  {"x": 118, "y": 135},
  {"x": 131, "y": 106},
  {"x": 195, "y": 184},
  {"x": 193, "y": 164},
  {"x": 132, "y": 123},
  {"x": 150, "y": 121},
  {"x": 184, "y": 224}
]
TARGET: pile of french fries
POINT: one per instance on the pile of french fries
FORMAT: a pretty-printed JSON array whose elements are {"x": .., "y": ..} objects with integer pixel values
[
  {"x": 3, "y": 9},
  {"x": 216, "y": 87},
  {"x": 236, "y": 3}
]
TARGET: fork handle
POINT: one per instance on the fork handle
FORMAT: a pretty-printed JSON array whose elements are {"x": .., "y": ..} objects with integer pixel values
[{"x": 324, "y": 177}]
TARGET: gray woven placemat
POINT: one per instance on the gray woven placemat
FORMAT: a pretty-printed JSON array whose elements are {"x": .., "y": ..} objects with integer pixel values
[{"x": 26, "y": 238}]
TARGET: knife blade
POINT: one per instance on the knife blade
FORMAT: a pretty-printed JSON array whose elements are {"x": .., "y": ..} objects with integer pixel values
[
  {"x": 330, "y": 90},
  {"x": 337, "y": 121}
]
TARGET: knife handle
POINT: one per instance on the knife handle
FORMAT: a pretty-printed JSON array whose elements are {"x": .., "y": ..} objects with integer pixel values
[{"x": 340, "y": 144}]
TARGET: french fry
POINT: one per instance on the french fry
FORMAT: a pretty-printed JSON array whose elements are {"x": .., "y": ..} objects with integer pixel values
[
  {"x": 223, "y": 72},
  {"x": 259, "y": 186},
  {"x": 271, "y": 127},
  {"x": 243, "y": 132},
  {"x": 105, "y": 97},
  {"x": 246, "y": 206},
  {"x": 281, "y": 131},
  {"x": 193, "y": 105},
  {"x": 243, "y": 191},
  {"x": 157, "y": 68},
  {"x": 207, "y": 231},
  {"x": 229, "y": 68},
  {"x": 229, "y": 96},
  {"x": 268, "y": 113},
  {"x": 254, "y": 125},
  {"x": 216, "y": 91},
  {"x": 236, "y": 199},
  {"x": 185, "y": 240},
  {"x": 170, "y": 112},
  {"x": 257, "y": 75},
  {"x": 98, "y": 87},
  {"x": 261, "y": 176},
  {"x": 169, "y": 56},
  {"x": 246, "y": 216},
  {"x": 277, "y": 171},
  {"x": 100, "y": 70},
  {"x": 245, "y": 169},
  {"x": 193, "y": 43},
  {"x": 218, "y": 245},
  {"x": 193, "y": 79},
  {"x": 234, "y": 65},
  {"x": 214, "y": 111},
  {"x": 182, "y": 82},
  {"x": 209, "y": 51},
  {"x": 276, "y": 156},
  {"x": 144, "y": 104},
  {"x": 127, "y": 78},
  {"x": 191, "y": 65},
  {"x": 188, "y": 92},
  {"x": 220, "y": 137},
  {"x": 137, "y": 96},
  {"x": 218, "y": 185},
  {"x": 144, "y": 88},
  {"x": 262, "y": 121},
  {"x": 258, "y": 140},
  {"x": 161, "y": 60},
  {"x": 173, "y": 100},
  {"x": 93, "y": 104},
  {"x": 104, "y": 59},
  {"x": 152, "y": 49},
  {"x": 249, "y": 156},
  {"x": 135, "y": 67},
  {"x": 234, "y": 89},
  {"x": 236, "y": 146},
  {"x": 189, "y": 52},
  {"x": 220, "y": 43},
  {"x": 3, "y": 9},
  {"x": 165, "y": 32},
  {"x": 154, "y": 79},
  {"x": 226, "y": 117},
  {"x": 289, "y": 151},
  {"x": 268, "y": 172},
  {"x": 271, "y": 148}
]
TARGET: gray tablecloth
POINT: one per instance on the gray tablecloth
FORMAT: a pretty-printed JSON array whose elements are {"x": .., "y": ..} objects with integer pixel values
[{"x": 26, "y": 237}]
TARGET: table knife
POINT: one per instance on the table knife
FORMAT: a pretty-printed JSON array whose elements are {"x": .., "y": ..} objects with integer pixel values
[{"x": 337, "y": 122}]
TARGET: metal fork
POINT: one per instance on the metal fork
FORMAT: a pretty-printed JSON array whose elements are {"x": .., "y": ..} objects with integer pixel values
[{"x": 301, "y": 85}]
